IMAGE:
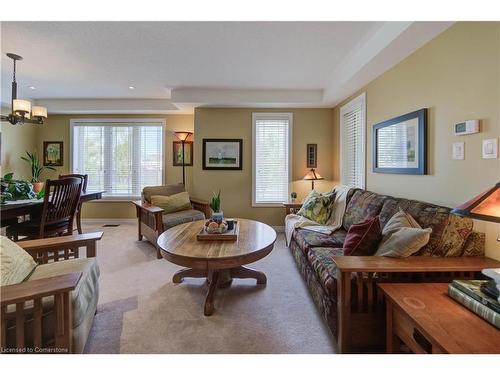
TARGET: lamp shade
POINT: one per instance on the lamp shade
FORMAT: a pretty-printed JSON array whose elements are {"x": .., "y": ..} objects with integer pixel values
[
  {"x": 485, "y": 206},
  {"x": 312, "y": 175},
  {"x": 38, "y": 111},
  {"x": 183, "y": 136},
  {"x": 21, "y": 107}
]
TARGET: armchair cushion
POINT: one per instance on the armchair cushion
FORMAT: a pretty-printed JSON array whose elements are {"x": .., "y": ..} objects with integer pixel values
[
  {"x": 149, "y": 191},
  {"x": 172, "y": 203},
  {"x": 85, "y": 293},
  {"x": 15, "y": 263},
  {"x": 176, "y": 218}
]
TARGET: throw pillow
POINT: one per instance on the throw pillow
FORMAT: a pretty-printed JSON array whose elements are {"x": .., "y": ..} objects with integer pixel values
[
  {"x": 318, "y": 207},
  {"x": 363, "y": 238},
  {"x": 172, "y": 203},
  {"x": 402, "y": 236},
  {"x": 15, "y": 263}
]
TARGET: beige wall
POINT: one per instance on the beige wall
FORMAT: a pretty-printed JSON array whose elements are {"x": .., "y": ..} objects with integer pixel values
[
  {"x": 16, "y": 139},
  {"x": 456, "y": 76},
  {"x": 309, "y": 126}
]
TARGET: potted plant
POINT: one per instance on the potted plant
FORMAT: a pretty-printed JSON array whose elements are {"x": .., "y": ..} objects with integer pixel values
[
  {"x": 36, "y": 170},
  {"x": 215, "y": 206},
  {"x": 12, "y": 189}
]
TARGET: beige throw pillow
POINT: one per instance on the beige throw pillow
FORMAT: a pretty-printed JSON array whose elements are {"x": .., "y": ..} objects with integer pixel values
[
  {"x": 15, "y": 263},
  {"x": 172, "y": 203},
  {"x": 402, "y": 236}
]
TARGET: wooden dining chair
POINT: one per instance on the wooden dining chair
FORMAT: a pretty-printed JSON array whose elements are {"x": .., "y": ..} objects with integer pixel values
[
  {"x": 85, "y": 179},
  {"x": 60, "y": 203}
]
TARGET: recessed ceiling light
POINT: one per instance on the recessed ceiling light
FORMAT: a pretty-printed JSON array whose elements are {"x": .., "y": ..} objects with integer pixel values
[
  {"x": 31, "y": 87},
  {"x": 131, "y": 87}
]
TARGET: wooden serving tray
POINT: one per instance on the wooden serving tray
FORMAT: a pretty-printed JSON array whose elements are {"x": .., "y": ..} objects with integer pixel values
[{"x": 230, "y": 235}]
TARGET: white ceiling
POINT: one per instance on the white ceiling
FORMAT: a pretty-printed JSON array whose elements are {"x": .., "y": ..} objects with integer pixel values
[{"x": 187, "y": 64}]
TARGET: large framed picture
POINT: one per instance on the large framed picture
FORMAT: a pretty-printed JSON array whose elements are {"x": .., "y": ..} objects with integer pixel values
[
  {"x": 400, "y": 144},
  {"x": 222, "y": 154},
  {"x": 177, "y": 153},
  {"x": 53, "y": 154}
]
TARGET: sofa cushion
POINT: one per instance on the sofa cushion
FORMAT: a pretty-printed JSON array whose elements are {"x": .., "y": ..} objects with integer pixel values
[
  {"x": 172, "y": 203},
  {"x": 321, "y": 261},
  {"x": 148, "y": 191},
  {"x": 363, "y": 239},
  {"x": 181, "y": 217},
  {"x": 455, "y": 234},
  {"x": 15, "y": 263},
  {"x": 307, "y": 239},
  {"x": 318, "y": 207},
  {"x": 362, "y": 206},
  {"x": 402, "y": 236},
  {"x": 86, "y": 289}
]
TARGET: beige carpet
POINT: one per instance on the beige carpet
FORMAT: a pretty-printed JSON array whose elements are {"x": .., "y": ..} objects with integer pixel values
[{"x": 141, "y": 311}]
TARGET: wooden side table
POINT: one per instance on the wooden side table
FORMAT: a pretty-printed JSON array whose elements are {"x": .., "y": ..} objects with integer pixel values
[
  {"x": 292, "y": 207},
  {"x": 427, "y": 320}
]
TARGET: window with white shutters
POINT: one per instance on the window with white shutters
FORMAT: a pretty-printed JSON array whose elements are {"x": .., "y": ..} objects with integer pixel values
[
  {"x": 272, "y": 133},
  {"x": 120, "y": 156},
  {"x": 353, "y": 143}
]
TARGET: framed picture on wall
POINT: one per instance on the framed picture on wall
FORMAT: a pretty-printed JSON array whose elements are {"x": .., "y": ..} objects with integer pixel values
[
  {"x": 177, "y": 153},
  {"x": 53, "y": 154},
  {"x": 222, "y": 154},
  {"x": 312, "y": 155},
  {"x": 400, "y": 144}
]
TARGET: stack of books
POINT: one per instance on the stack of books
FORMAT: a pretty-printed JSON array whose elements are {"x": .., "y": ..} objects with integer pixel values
[{"x": 470, "y": 294}]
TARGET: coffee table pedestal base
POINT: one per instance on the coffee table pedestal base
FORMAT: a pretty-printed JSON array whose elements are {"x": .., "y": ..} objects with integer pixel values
[{"x": 219, "y": 279}]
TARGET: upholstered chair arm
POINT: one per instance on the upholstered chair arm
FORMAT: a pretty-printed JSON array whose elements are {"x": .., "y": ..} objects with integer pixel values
[
  {"x": 60, "y": 248},
  {"x": 201, "y": 205},
  {"x": 22, "y": 302}
]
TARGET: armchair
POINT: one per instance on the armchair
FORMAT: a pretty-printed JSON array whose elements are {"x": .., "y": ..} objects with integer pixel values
[
  {"x": 152, "y": 221},
  {"x": 52, "y": 310}
]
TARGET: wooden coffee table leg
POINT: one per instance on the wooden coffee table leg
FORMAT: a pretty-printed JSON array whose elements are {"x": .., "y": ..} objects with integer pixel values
[
  {"x": 248, "y": 273},
  {"x": 188, "y": 272},
  {"x": 209, "y": 302}
]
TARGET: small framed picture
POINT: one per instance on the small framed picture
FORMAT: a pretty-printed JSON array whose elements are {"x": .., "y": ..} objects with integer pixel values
[
  {"x": 53, "y": 154},
  {"x": 312, "y": 155},
  {"x": 490, "y": 148},
  {"x": 177, "y": 153},
  {"x": 458, "y": 151},
  {"x": 222, "y": 154}
]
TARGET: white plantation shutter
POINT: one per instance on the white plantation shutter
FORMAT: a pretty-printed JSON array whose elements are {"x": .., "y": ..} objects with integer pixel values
[
  {"x": 120, "y": 156},
  {"x": 271, "y": 158},
  {"x": 352, "y": 142}
]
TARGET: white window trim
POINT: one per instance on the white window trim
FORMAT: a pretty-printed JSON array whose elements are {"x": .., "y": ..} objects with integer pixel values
[
  {"x": 255, "y": 117},
  {"x": 359, "y": 100},
  {"x": 156, "y": 121}
]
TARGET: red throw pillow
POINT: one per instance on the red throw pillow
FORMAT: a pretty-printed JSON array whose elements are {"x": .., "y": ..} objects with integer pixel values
[{"x": 363, "y": 238}]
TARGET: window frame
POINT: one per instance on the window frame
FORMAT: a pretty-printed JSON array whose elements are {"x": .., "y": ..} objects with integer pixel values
[
  {"x": 157, "y": 121},
  {"x": 360, "y": 100},
  {"x": 271, "y": 115}
]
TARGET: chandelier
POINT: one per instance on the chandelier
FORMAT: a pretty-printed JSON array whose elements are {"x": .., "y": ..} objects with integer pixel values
[{"x": 21, "y": 110}]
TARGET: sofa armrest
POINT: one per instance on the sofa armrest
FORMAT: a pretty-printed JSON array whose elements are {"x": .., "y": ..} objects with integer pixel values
[
  {"x": 32, "y": 289},
  {"x": 40, "y": 248},
  {"x": 147, "y": 207},
  {"x": 201, "y": 205}
]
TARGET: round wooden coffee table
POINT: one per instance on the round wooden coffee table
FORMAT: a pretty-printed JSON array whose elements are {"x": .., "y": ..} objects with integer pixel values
[{"x": 218, "y": 261}]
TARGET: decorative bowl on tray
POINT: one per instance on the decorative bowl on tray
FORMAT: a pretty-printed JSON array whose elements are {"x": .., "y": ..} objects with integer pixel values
[{"x": 215, "y": 226}]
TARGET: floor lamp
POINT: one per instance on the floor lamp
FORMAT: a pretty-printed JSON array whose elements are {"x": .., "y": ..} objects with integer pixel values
[{"x": 183, "y": 137}]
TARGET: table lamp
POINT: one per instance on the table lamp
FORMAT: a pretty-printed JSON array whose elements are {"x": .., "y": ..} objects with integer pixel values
[
  {"x": 183, "y": 137},
  {"x": 312, "y": 175}
]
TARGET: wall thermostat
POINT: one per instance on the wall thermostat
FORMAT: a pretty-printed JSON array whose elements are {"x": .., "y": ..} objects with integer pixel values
[{"x": 467, "y": 127}]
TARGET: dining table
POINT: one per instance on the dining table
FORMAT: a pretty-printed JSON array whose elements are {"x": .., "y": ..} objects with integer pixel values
[{"x": 14, "y": 209}]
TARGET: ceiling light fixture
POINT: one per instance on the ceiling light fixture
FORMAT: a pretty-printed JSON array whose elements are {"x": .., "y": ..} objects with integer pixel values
[
  {"x": 131, "y": 87},
  {"x": 32, "y": 87},
  {"x": 21, "y": 110}
]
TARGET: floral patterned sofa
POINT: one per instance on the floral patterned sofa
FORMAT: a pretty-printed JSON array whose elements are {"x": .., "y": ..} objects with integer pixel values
[{"x": 452, "y": 236}]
